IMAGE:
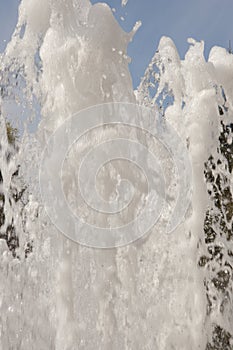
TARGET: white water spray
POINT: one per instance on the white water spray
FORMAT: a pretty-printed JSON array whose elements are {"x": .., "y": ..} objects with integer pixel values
[{"x": 70, "y": 55}]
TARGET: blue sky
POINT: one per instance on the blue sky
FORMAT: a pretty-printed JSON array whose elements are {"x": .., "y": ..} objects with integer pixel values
[{"x": 210, "y": 20}]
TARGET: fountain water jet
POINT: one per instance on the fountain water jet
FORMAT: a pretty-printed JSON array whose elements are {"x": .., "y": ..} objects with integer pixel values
[{"x": 70, "y": 55}]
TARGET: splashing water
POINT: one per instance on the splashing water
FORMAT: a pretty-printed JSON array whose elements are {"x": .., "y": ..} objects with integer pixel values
[
  {"x": 164, "y": 291},
  {"x": 124, "y": 2}
]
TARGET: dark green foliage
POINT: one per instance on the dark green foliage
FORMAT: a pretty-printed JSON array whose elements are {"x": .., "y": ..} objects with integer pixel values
[
  {"x": 14, "y": 196},
  {"x": 221, "y": 340},
  {"x": 218, "y": 260},
  {"x": 12, "y": 134}
]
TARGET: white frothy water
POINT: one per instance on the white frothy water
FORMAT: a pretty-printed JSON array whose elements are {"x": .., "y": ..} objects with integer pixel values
[
  {"x": 124, "y": 2},
  {"x": 71, "y": 55}
]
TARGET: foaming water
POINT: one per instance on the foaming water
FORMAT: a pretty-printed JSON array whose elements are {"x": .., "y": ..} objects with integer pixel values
[{"x": 163, "y": 291}]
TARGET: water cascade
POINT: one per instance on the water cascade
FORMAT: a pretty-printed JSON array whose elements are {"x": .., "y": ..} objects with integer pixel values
[{"x": 164, "y": 290}]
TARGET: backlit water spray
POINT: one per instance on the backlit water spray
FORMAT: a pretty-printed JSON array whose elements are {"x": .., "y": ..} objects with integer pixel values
[{"x": 115, "y": 205}]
